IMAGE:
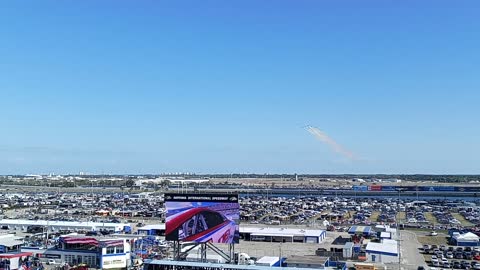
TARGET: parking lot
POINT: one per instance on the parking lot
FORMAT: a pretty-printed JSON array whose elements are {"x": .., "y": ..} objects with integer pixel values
[{"x": 447, "y": 256}]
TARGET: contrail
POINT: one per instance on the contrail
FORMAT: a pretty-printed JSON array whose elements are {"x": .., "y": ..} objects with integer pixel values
[{"x": 320, "y": 135}]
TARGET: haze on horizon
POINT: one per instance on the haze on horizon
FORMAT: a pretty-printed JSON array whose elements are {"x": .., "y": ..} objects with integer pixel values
[{"x": 227, "y": 87}]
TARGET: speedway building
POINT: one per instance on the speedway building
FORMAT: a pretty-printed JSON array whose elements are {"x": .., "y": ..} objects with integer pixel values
[{"x": 282, "y": 235}]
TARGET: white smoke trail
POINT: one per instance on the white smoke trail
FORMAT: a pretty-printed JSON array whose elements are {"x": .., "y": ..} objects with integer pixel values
[{"x": 320, "y": 135}]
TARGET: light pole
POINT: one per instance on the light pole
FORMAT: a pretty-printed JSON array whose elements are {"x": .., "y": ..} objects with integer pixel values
[{"x": 397, "y": 219}]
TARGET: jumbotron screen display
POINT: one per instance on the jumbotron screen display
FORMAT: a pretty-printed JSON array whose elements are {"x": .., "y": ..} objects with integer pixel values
[{"x": 202, "y": 218}]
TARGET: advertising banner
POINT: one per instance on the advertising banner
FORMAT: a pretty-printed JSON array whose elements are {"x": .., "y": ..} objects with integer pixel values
[
  {"x": 375, "y": 188},
  {"x": 360, "y": 188}
]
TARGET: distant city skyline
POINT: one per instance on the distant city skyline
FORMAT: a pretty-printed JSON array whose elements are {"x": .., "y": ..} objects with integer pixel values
[{"x": 228, "y": 87}]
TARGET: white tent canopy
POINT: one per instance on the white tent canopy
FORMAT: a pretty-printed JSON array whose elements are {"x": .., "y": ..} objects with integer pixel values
[{"x": 467, "y": 237}]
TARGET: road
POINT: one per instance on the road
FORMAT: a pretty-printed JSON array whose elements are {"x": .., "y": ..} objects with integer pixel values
[{"x": 410, "y": 256}]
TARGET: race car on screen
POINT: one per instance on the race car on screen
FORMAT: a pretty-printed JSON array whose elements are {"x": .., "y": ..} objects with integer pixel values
[{"x": 200, "y": 225}]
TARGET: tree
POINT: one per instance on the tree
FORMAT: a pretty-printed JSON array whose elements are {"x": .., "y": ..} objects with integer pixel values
[{"x": 130, "y": 183}]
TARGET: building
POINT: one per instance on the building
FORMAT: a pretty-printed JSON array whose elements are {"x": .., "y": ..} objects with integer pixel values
[
  {"x": 57, "y": 226},
  {"x": 386, "y": 231},
  {"x": 282, "y": 235},
  {"x": 171, "y": 265},
  {"x": 361, "y": 230},
  {"x": 384, "y": 252},
  {"x": 96, "y": 252},
  {"x": 10, "y": 243},
  {"x": 273, "y": 234},
  {"x": 347, "y": 250},
  {"x": 153, "y": 229}
]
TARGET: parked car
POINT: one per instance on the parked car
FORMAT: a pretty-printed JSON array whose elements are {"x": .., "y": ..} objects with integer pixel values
[
  {"x": 51, "y": 262},
  {"x": 467, "y": 255},
  {"x": 449, "y": 255},
  {"x": 458, "y": 255}
]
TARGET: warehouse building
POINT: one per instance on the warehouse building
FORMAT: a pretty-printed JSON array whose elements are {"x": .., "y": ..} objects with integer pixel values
[
  {"x": 282, "y": 235},
  {"x": 384, "y": 252}
]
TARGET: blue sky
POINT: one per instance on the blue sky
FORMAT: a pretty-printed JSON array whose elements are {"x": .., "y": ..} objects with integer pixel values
[{"x": 228, "y": 86}]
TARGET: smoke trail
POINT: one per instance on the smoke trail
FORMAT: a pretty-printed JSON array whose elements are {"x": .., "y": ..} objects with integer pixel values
[{"x": 320, "y": 135}]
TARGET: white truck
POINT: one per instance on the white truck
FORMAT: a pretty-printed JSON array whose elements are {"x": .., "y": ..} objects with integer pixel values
[{"x": 52, "y": 262}]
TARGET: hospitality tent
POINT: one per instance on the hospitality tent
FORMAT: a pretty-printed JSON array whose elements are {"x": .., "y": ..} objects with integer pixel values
[{"x": 466, "y": 239}]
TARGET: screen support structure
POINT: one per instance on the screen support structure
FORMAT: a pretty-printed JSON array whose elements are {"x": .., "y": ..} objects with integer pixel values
[
  {"x": 231, "y": 249},
  {"x": 228, "y": 257},
  {"x": 179, "y": 255},
  {"x": 176, "y": 250},
  {"x": 203, "y": 251}
]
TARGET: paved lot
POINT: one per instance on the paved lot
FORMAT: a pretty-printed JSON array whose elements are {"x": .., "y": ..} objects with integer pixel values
[
  {"x": 410, "y": 256},
  {"x": 259, "y": 249}
]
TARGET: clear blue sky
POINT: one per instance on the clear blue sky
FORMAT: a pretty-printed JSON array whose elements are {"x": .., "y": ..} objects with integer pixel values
[{"x": 227, "y": 86}]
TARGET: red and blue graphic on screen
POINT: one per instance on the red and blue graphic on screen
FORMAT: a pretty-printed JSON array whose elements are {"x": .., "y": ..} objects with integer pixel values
[{"x": 215, "y": 222}]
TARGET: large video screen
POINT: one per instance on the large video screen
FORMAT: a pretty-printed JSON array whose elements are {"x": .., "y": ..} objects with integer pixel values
[{"x": 202, "y": 218}]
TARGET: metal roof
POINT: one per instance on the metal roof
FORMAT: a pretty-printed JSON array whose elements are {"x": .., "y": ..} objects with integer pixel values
[
  {"x": 268, "y": 259},
  {"x": 385, "y": 235},
  {"x": 152, "y": 227},
  {"x": 15, "y": 255},
  {"x": 281, "y": 231},
  {"x": 360, "y": 229},
  {"x": 10, "y": 242},
  {"x": 273, "y": 234},
  {"x": 387, "y": 247}
]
